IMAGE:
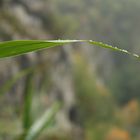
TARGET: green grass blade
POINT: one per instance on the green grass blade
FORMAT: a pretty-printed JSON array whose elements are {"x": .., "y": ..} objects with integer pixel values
[
  {"x": 44, "y": 122},
  {"x": 13, "y": 48},
  {"x": 100, "y": 44},
  {"x": 28, "y": 93}
]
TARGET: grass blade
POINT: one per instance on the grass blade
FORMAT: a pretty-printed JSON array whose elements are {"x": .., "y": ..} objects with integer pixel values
[
  {"x": 100, "y": 44},
  {"x": 28, "y": 93},
  {"x": 13, "y": 48},
  {"x": 44, "y": 122}
]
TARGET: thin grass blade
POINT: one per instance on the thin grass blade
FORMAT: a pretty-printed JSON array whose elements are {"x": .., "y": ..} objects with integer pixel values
[
  {"x": 43, "y": 123},
  {"x": 19, "y": 47}
]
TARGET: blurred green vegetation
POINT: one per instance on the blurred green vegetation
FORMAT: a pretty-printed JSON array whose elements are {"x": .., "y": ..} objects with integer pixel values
[{"x": 105, "y": 85}]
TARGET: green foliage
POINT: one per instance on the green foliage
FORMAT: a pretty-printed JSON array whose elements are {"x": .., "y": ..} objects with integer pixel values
[
  {"x": 31, "y": 131},
  {"x": 43, "y": 122},
  {"x": 101, "y": 20},
  {"x": 13, "y": 48},
  {"x": 94, "y": 102},
  {"x": 27, "y": 119}
]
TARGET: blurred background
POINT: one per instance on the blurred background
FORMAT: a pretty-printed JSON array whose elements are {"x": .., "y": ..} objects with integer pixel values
[{"x": 99, "y": 89}]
